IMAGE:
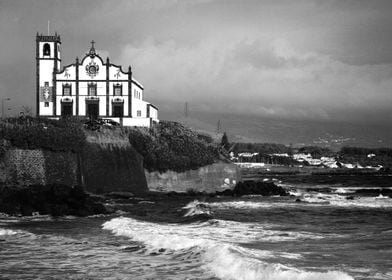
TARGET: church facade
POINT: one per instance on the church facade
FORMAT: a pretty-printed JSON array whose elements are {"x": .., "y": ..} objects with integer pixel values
[{"x": 90, "y": 87}]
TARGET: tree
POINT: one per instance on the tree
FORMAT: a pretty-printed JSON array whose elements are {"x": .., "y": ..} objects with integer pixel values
[
  {"x": 225, "y": 142},
  {"x": 27, "y": 111}
]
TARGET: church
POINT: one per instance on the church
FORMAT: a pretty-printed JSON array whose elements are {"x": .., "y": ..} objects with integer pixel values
[{"x": 90, "y": 87}]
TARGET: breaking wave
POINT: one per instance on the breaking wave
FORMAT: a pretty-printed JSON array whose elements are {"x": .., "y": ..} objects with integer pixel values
[
  {"x": 344, "y": 201},
  {"x": 313, "y": 199},
  {"x": 210, "y": 244},
  {"x": 4, "y": 232},
  {"x": 196, "y": 208}
]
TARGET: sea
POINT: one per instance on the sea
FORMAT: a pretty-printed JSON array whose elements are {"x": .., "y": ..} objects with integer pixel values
[{"x": 319, "y": 232}]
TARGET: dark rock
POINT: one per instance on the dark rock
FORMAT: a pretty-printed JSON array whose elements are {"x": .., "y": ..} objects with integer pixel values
[
  {"x": 256, "y": 188},
  {"x": 350, "y": 197},
  {"x": 54, "y": 199},
  {"x": 322, "y": 190},
  {"x": 298, "y": 200},
  {"x": 374, "y": 192},
  {"x": 120, "y": 195}
]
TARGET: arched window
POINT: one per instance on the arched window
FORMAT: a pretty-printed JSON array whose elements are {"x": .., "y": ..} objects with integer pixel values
[{"x": 46, "y": 49}]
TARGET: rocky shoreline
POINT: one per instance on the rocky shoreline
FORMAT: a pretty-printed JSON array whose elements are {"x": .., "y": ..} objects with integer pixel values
[
  {"x": 62, "y": 200},
  {"x": 53, "y": 199}
]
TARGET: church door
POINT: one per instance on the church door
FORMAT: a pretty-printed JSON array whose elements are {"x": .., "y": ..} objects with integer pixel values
[
  {"x": 118, "y": 110},
  {"x": 66, "y": 109},
  {"x": 92, "y": 111}
]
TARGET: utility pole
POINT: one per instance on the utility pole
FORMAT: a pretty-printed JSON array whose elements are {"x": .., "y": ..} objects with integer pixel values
[
  {"x": 218, "y": 126},
  {"x": 186, "y": 110}
]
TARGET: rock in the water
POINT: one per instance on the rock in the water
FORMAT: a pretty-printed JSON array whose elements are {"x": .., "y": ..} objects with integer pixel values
[
  {"x": 54, "y": 199},
  {"x": 255, "y": 188},
  {"x": 124, "y": 195}
]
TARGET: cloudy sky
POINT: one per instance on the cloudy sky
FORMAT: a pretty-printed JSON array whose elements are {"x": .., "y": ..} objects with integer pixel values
[{"x": 323, "y": 60}]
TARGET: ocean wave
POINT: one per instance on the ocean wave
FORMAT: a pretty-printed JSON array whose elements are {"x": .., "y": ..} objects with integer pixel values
[
  {"x": 295, "y": 192},
  {"x": 344, "y": 190},
  {"x": 308, "y": 200},
  {"x": 197, "y": 208},
  {"x": 242, "y": 204},
  {"x": 227, "y": 263},
  {"x": 343, "y": 201},
  {"x": 4, "y": 232},
  {"x": 214, "y": 249}
]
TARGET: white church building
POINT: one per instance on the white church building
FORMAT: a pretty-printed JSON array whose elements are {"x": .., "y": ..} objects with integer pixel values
[{"x": 90, "y": 87}]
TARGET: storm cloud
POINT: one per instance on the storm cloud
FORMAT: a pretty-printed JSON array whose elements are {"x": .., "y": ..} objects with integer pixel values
[{"x": 326, "y": 60}]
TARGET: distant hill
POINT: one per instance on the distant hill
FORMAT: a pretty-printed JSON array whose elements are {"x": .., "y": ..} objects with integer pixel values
[{"x": 241, "y": 128}]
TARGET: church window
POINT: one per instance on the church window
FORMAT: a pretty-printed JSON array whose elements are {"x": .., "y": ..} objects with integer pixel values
[
  {"x": 136, "y": 94},
  {"x": 139, "y": 113},
  {"x": 67, "y": 90},
  {"x": 46, "y": 49},
  {"x": 46, "y": 104},
  {"x": 92, "y": 90},
  {"x": 117, "y": 89}
]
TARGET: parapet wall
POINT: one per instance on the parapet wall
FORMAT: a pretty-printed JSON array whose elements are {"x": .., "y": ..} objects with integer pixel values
[{"x": 210, "y": 178}]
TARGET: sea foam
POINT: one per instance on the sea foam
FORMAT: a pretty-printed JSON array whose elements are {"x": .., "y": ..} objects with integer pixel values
[
  {"x": 212, "y": 245},
  {"x": 341, "y": 201},
  {"x": 196, "y": 208},
  {"x": 4, "y": 232},
  {"x": 225, "y": 263}
]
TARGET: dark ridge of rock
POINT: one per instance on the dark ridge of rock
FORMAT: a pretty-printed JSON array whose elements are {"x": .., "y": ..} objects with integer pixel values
[
  {"x": 322, "y": 190},
  {"x": 120, "y": 195},
  {"x": 258, "y": 188},
  {"x": 53, "y": 199},
  {"x": 374, "y": 192},
  {"x": 254, "y": 188},
  {"x": 242, "y": 188}
]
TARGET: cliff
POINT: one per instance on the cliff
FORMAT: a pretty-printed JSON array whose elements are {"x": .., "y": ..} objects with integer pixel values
[
  {"x": 169, "y": 157},
  {"x": 42, "y": 152},
  {"x": 110, "y": 164}
]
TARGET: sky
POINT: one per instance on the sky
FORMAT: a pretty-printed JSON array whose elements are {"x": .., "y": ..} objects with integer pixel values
[{"x": 324, "y": 60}]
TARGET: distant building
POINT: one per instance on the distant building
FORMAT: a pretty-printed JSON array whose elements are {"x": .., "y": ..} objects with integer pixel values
[{"x": 89, "y": 87}]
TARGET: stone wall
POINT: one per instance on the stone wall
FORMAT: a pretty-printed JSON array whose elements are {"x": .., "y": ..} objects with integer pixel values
[
  {"x": 102, "y": 169},
  {"x": 28, "y": 167},
  {"x": 210, "y": 178},
  {"x": 24, "y": 167}
]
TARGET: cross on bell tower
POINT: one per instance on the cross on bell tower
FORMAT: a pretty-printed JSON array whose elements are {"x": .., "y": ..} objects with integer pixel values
[{"x": 92, "y": 49}]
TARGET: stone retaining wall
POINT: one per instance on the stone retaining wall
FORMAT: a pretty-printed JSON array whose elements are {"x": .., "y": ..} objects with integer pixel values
[{"x": 28, "y": 167}]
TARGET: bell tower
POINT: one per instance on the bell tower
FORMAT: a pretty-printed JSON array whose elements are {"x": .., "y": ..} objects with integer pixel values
[{"x": 48, "y": 61}]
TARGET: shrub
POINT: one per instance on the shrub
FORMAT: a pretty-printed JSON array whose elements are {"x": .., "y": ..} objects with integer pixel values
[
  {"x": 382, "y": 156},
  {"x": 316, "y": 151},
  {"x": 36, "y": 133},
  {"x": 261, "y": 148},
  {"x": 171, "y": 146}
]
